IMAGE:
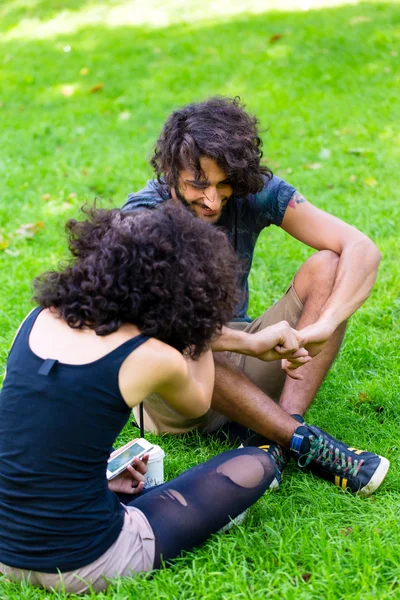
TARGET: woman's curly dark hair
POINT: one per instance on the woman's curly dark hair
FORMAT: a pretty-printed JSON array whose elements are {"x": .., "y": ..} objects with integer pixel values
[
  {"x": 172, "y": 275},
  {"x": 218, "y": 128}
]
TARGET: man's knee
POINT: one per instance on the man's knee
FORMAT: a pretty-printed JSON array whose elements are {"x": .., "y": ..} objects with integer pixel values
[
  {"x": 324, "y": 260},
  {"x": 317, "y": 273}
]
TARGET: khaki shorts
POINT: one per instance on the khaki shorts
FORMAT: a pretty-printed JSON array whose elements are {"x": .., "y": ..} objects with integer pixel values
[
  {"x": 159, "y": 417},
  {"x": 133, "y": 552}
]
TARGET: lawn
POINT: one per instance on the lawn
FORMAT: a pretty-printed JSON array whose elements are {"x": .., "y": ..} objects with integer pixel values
[{"x": 84, "y": 90}]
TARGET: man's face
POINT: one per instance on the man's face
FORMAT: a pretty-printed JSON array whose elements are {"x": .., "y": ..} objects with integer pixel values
[{"x": 206, "y": 197}]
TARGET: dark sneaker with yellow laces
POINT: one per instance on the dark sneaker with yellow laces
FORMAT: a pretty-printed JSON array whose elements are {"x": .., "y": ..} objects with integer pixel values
[
  {"x": 279, "y": 455},
  {"x": 351, "y": 469}
]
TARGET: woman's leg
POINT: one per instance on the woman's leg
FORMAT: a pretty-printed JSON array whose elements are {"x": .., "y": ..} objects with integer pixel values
[
  {"x": 129, "y": 499},
  {"x": 185, "y": 511},
  {"x": 182, "y": 514}
]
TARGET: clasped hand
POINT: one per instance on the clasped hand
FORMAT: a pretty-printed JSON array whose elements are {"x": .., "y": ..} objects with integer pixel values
[
  {"x": 278, "y": 342},
  {"x": 294, "y": 348}
]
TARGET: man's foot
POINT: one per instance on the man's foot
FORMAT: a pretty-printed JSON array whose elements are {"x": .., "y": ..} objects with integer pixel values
[
  {"x": 279, "y": 455},
  {"x": 351, "y": 469}
]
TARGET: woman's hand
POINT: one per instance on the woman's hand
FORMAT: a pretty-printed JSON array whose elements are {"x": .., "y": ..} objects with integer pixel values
[
  {"x": 276, "y": 342},
  {"x": 131, "y": 480}
]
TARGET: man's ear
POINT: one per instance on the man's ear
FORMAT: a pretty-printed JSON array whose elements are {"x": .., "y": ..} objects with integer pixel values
[{"x": 173, "y": 195}]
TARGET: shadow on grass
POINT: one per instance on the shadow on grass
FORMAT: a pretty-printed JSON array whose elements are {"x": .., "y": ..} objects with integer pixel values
[
  {"x": 81, "y": 123},
  {"x": 302, "y": 73},
  {"x": 263, "y": 57},
  {"x": 14, "y": 11},
  {"x": 153, "y": 12}
]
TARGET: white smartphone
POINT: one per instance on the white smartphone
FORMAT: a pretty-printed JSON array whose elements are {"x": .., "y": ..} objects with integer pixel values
[{"x": 124, "y": 458}]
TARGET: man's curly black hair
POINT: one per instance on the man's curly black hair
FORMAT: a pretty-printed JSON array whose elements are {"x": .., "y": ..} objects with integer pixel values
[
  {"x": 172, "y": 275},
  {"x": 218, "y": 128}
]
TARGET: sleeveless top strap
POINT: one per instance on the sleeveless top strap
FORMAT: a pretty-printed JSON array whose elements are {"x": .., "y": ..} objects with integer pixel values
[
  {"x": 25, "y": 327},
  {"x": 21, "y": 344},
  {"x": 124, "y": 349}
]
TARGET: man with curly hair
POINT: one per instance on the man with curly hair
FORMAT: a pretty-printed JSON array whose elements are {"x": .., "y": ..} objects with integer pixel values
[{"x": 208, "y": 157}]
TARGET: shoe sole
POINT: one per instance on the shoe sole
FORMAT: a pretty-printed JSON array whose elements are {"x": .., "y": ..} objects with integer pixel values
[
  {"x": 376, "y": 478},
  {"x": 237, "y": 521},
  {"x": 274, "y": 485}
]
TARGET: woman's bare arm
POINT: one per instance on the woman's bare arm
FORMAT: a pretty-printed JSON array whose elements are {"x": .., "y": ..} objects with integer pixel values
[{"x": 185, "y": 384}]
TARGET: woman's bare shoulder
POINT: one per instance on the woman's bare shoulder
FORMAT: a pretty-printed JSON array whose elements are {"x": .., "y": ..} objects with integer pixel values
[
  {"x": 150, "y": 366},
  {"x": 158, "y": 354}
]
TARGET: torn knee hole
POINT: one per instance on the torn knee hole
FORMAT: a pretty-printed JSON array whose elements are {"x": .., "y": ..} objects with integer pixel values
[
  {"x": 174, "y": 495},
  {"x": 245, "y": 471}
]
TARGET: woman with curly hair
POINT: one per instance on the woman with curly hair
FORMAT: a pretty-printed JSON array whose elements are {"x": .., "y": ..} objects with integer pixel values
[{"x": 133, "y": 313}]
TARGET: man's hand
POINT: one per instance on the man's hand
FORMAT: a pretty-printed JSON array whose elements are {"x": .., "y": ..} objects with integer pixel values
[
  {"x": 130, "y": 481},
  {"x": 271, "y": 343},
  {"x": 277, "y": 341},
  {"x": 314, "y": 337},
  {"x": 290, "y": 366}
]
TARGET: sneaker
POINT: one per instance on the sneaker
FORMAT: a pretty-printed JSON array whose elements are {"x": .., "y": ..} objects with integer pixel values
[
  {"x": 237, "y": 521},
  {"x": 298, "y": 418},
  {"x": 351, "y": 469},
  {"x": 279, "y": 455}
]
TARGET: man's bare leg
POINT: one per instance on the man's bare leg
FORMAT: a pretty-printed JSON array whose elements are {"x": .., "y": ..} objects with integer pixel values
[
  {"x": 237, "y": 397},
  {"x": 313, "y": 284},
  {"x": 244, "y": 402}
]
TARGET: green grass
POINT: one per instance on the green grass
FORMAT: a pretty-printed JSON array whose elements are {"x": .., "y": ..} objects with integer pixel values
[{"x": 330, "y": 82}]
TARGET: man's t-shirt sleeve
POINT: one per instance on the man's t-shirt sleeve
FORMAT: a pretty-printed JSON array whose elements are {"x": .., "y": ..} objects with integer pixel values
[
  {"x": 149, "y": 197},
  {"x": 268, "y": 207}
]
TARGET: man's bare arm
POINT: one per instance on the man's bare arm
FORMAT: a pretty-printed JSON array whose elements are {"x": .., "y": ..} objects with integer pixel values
[{"x": 358, "y": 262}]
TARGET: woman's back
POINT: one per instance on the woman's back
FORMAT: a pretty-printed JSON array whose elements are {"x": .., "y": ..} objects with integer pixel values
[
  {"x": 73, "y": 376},
  {"x": 58, "y": 422},
  {"x": 52, "y": 336}
]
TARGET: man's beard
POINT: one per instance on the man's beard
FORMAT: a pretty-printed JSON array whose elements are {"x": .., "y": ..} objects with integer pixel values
[
  {"x": 185, "y": 203},
  {"x": 190, "y": 205}
]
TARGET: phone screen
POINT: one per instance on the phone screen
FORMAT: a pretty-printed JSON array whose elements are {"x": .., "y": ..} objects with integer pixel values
[{"x": 125, "y": 457}]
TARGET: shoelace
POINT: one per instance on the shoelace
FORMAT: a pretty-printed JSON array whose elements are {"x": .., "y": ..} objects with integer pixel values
[
  {"x": 328, "y": 455},
  {"x": 279, "y": 457}
]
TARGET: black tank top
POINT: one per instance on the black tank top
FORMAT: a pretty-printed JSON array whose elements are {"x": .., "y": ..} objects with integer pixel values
[{"x": 57, "y": 426}]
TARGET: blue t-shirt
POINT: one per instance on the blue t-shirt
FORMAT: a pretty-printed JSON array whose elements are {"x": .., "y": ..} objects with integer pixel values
[{"x": 242, "y": 217}]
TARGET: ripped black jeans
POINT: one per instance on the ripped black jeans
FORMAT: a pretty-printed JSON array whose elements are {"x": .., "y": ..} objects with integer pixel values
[{"x": 184, "y": 511}]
